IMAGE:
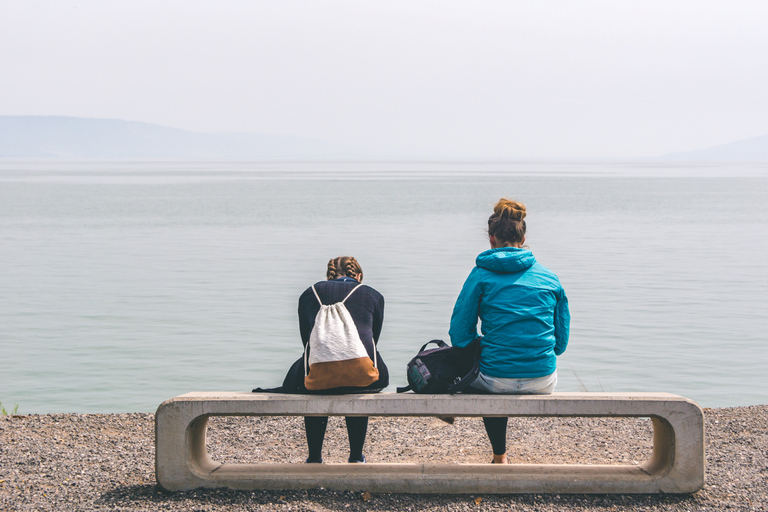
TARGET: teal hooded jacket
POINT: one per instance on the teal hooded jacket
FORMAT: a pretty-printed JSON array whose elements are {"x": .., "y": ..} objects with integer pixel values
[{"x": 523, "y": 312}]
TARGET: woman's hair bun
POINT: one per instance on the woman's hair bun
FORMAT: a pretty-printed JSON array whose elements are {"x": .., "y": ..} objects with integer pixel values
[{"x": 510, "y": 209}]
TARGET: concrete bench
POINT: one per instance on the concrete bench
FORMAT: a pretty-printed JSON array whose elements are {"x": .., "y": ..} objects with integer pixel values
[{"x": 676, "y": 464}]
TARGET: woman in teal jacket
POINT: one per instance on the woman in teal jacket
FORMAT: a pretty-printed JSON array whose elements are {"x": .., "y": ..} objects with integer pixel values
[{"x": 524, "y": 317}]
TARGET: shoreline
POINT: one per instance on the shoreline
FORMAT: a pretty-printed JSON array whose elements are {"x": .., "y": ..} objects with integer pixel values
[{"x": 106, "y": 461}]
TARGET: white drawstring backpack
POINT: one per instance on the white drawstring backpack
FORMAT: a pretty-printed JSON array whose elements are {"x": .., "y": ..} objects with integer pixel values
[{"x": 337, "y": 356}]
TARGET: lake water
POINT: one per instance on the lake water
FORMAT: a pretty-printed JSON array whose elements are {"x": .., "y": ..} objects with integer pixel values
[{"x": 124, "y": 284}]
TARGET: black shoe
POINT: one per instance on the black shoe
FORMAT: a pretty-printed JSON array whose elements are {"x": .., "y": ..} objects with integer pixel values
[
  {"x": 315, "y": 461},
  {"x": 361, "y": 460}
]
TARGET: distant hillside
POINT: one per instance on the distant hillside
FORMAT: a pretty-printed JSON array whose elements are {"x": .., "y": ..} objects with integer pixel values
[
  {"x": 754, "y": 149},
  {"x": 74, "y": 137}
]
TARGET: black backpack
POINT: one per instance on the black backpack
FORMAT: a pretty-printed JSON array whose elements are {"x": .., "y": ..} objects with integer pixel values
[{"x": 444, "y": 369}]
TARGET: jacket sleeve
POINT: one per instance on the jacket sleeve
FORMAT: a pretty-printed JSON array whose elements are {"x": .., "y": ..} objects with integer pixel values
[
  {"x": 306, "y": 320},
  {"x": 463, "y": 328},
  {"x": 378, "y": 319},
  {"x": 562, "y": 323}
]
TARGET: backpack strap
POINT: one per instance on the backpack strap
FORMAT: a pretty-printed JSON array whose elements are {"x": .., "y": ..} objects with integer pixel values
[
  {"x": 439, "y": 343},
  {"x": 316, "y": 295},
  {"x": 375, "y": 356},
  {"x": 350, "y": 293}
]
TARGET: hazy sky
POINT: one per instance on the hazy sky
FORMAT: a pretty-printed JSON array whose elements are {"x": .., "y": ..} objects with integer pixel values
[{"x": 495, "y": 79}]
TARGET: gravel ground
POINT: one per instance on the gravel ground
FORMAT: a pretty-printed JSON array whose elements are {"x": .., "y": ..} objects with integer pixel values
[{"x": 106, "y": 462}]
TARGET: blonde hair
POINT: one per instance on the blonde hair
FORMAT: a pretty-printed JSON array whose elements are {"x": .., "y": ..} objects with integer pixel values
[
  {"x": 507, "y": 223},
  {"x": 344, "y": 266}
]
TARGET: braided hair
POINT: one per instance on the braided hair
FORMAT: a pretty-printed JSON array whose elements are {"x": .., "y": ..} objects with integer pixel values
[
  {"x": 344, "y": 266},
  {"x": 507, "y": 224}
]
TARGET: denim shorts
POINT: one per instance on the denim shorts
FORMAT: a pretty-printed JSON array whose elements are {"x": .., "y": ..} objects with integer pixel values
[{"x": 535, "y": 386}]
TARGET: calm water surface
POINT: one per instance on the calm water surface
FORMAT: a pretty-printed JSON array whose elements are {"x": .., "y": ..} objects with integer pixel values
[{"x": 124, "y": 284}]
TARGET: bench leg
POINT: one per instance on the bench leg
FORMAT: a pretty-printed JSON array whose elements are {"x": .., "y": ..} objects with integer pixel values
[
  {"x": 663, "y": 454},
  {"x": 199, "y": 460}
]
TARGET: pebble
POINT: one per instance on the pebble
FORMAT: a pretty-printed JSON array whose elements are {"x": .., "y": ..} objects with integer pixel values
[{"x": 106, "y": 462}]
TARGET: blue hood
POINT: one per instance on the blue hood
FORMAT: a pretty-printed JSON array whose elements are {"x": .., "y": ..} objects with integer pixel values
[{"x": 505, "y": 260}]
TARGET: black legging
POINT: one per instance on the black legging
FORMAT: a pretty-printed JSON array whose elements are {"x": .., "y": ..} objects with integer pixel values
[
  {"x": 357, "y": 427},
  {"x": 496, "y": 427}
]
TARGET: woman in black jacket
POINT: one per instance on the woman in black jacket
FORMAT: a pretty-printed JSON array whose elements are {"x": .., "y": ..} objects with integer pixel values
[{"x": 366, "y": 307}]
